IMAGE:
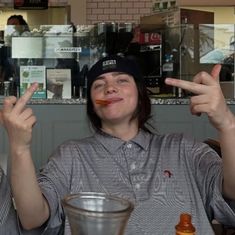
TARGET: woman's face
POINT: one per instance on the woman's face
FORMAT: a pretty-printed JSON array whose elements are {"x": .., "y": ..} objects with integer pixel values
[
  {"x": 120, "y": 92},
  {"x": 16, "y": 23}
]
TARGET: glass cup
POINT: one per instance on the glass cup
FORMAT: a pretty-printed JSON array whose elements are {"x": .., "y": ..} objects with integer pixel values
[{"x": 97, "y": 213}]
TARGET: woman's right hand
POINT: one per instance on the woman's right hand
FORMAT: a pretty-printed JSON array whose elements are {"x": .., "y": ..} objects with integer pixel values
[
  {"x": 32, "y": 207},
  {"x": 18, "y": 119}
]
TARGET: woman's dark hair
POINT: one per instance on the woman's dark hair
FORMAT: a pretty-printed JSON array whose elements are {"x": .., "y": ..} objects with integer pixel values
[
  {"x": 21, "y": 21},
  {"x": 142, "y": 113}
]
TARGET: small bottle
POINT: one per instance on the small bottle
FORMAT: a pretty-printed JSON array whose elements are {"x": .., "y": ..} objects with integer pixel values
[{"x": 185, "y": 226}]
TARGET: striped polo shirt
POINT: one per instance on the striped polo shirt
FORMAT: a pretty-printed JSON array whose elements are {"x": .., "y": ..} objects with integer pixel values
[
  {"x": 9, "y": 222},
  {"x": 8, "y": 218},
  {"x": 163, "y": 175}
]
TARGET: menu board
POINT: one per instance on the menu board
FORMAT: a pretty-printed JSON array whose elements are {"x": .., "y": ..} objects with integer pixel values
[{"x": 31, "y": 74}]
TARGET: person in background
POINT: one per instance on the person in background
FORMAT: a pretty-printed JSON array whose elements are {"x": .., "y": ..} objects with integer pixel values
[
  {"x": 9, "y": 67},
  {"x": 21, "y": 26},
  {"x": 16, "y": 26},
  {"x": 163, "y": 175}
]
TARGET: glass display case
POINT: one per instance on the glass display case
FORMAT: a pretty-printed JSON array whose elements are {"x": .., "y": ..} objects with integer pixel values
[
  {"x": 52, "y": 55},
  {"x": 205, "y": 46},
  {"x": 191, "y": 49},
  {"x": 58, "y": 57}
]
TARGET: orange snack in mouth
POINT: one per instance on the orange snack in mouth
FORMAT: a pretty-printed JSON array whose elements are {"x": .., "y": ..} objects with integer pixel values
[{"x": 103, "y": 102}]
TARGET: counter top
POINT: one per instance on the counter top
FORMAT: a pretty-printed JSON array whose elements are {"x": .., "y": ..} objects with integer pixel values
[
  {"x": 79, "y": 101},
  {"x": 180, "y": 101}
]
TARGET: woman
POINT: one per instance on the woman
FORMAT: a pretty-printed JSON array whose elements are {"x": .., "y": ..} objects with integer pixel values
[
  {"x": 164, "y": 175},
  {"x": 20, "y": 24},
  {"x": 9, "y": 67}
]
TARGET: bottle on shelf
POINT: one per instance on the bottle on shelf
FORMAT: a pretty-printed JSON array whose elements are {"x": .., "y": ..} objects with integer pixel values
[{"x": 185, "y": 226}]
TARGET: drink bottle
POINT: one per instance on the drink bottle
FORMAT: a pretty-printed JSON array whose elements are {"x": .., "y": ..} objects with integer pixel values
[{"x": 185, "y": 226}]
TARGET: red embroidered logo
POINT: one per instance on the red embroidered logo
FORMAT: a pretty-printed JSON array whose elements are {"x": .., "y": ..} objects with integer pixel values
[{"x": 167, "y": 173}]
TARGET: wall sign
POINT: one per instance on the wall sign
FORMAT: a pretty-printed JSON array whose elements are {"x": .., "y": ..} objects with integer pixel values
[{"x": 30, "y": 4}]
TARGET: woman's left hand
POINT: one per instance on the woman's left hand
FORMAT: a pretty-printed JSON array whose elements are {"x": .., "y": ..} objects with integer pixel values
[{"x": 208, "y": 97}]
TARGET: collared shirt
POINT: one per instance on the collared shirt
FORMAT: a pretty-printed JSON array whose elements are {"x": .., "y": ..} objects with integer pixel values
[
  {"x": 8, "y": 219},
  {"x": 163, "y": 175},
  {"x": 9, "y": 222}
]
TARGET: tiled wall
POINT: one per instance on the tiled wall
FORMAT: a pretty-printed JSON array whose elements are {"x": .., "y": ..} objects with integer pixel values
[{"x": 117, "y": 10}]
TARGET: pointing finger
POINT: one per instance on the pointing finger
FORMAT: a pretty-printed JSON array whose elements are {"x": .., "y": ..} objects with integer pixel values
[
  {"x": 20, "y": 104},
  {"x": 186, "y": 85}
]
